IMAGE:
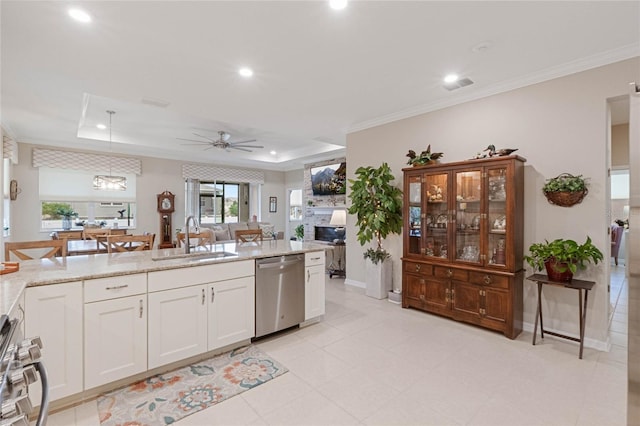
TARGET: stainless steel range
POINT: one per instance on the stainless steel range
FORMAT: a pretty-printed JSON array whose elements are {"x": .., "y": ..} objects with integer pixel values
[{"x": 20, "y": 365}]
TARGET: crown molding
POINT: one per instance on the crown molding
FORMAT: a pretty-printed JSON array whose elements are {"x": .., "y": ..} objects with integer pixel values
[{"x": 611, "y": 56}]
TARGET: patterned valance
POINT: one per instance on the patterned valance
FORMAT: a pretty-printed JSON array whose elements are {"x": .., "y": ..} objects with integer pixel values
[
  {"x": 219, "y": 174},
  {"x": 9, "y": 149},
  {"x": 84, "y": 161}
]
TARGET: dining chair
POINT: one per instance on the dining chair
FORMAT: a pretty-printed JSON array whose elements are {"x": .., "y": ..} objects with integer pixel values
[
  {"x": 248, "y": 236},
  {"x": 204, "y": 238},
  {"x": 56, "y": 248},
  {"x": 126, "y": 243},
  {"x": 95, "y": 233}
]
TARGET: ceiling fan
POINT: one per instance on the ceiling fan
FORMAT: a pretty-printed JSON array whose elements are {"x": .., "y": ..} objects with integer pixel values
[{"x": 222, "y": 142}]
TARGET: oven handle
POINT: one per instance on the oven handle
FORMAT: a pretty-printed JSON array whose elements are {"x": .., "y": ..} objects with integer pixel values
[{"x": 44, "y": 401}]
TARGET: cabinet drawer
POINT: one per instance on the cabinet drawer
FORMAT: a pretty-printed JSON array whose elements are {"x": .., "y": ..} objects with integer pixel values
[
  {"x": 450, "y": 273},
  {"x": 114, "y": 287},
  {"x": 184, "y": 277},
  {"x": 314, "y": 258},
  {"x": 418, "y": 268},
  {"x": 481, "y": 278}
]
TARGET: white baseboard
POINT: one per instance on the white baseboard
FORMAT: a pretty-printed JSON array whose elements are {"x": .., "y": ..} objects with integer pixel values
[{"x": 355, "y": 283}]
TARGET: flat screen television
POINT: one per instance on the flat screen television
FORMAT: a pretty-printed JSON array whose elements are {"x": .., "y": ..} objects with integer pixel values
[{"x": 330, "y": 179}]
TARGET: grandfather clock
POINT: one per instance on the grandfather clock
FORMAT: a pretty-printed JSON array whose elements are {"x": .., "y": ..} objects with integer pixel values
[{"x": 166, "y": 207}]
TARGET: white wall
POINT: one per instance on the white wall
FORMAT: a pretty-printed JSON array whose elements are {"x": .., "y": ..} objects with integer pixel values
[
  {"x": 560, "y": 126},
  {"x": 157, "y": 176}
]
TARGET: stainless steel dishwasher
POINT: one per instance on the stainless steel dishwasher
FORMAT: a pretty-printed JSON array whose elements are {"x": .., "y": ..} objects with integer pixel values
[{"x": 279, "y": 293}]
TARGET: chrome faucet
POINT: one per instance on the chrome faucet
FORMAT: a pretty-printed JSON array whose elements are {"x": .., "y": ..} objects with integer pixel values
[{"x": 187, "y": 243}]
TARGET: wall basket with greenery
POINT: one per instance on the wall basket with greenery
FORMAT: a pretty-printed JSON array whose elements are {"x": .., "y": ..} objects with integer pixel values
[{"x": 565, "y": 190}]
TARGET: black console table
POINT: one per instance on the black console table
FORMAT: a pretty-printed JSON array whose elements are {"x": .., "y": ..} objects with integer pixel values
[{"x": 574, "y": 284}]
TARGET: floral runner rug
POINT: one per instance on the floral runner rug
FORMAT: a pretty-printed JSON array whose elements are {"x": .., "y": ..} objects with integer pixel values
[{"x": 166, "y": 398}]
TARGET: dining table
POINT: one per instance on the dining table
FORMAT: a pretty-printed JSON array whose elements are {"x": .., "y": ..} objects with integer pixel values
[{"x": 94, "y": 246}]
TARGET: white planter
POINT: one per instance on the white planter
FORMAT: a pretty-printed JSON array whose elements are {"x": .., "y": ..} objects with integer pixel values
[{"x": 379, "y": 279}]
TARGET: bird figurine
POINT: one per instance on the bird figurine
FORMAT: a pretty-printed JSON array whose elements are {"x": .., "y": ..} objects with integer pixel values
[
  {"x": 493, "y": 152},
  {"x": 425, "y": 157},
  {"x": 121, "y": 213}
]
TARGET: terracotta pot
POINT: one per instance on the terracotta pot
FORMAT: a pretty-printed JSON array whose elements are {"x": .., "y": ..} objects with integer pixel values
[{"x": 554, "y": 274}]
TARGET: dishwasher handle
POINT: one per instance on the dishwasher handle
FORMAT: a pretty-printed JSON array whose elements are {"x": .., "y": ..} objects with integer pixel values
[{"x": 277, "y": 265}]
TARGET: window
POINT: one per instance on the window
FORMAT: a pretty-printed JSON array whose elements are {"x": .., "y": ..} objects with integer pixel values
[
  {"x": 87, "y": 212},
  {"x": 295, "y": 204},
  {"x": 619, "y": 184},
  {"x": 220, "y": 202},
  {"x": 72, "y": 190}
]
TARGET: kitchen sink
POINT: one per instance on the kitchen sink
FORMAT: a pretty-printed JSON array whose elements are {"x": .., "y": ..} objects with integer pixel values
[{"x": 199, "y": 255}]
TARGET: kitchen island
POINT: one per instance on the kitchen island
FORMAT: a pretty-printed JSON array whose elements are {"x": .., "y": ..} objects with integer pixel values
[{"x": 107, "y": 320}]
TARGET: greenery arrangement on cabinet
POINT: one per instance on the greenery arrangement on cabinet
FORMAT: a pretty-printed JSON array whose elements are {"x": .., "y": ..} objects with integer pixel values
[
  {"x": 565, "y": 190},
  {"x": 299, "y": 231},
  {"x": 377, "y": 205},
  {"x": 425, "y": 157},
  {"x": 562, "y": 258}
]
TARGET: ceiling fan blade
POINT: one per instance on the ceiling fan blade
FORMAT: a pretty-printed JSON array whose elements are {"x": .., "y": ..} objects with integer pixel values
[
  {"x": 193, "y": 140},
  {"x": 247, "y": 146},
  {"x": 240, "y": 149},
  {"x": 205, "y": 137},
  {"x": 242, "y": 142}
]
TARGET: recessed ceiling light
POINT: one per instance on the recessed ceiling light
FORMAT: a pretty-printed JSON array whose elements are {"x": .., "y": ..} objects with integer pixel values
[
  {"x": 451, "y": 78},
  {"x": 272, "y": 152},
  {"x": 79, "y": 15},
  {"x": 337, "y": 4},
  {"x": 101, "y": 126},
  {"x": 245, "y": 72}
]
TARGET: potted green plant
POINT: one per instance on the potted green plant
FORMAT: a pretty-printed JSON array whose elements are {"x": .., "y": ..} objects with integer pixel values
[
  {"x": 66, "y": 213},
  {"x": 562, "y": 258},
  {"x": 377, "y": 205},
  {"x": 299, "y": 231},
  {"x": 565, "y": 190}
]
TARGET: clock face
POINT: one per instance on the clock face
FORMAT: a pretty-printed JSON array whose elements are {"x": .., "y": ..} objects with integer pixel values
[{"x": 165, "y": 203}]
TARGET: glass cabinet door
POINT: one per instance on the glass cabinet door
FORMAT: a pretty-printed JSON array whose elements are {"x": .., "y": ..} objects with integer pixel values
[
  {"x": 497, "y": 217},
  {"x": 415, "y": 214},
  {"x": 468, "y": 216},
  {"x": 436, "y": 220}
]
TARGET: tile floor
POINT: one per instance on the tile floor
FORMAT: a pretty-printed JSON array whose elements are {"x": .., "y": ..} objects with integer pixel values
[{"x": 371, "y": 362}]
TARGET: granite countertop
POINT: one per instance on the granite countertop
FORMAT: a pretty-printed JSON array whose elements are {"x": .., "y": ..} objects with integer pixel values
[{"x": 75, "y": 268}]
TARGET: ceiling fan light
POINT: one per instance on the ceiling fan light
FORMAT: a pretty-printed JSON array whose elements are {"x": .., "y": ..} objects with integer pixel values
[{"x": 110, "y": 183}]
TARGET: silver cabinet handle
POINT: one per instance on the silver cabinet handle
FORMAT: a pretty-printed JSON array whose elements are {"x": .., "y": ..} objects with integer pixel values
[
  {"x": 141, "y": 308},
  {"x": 315, "y": 258},
  {"x": 203, "y": 296},
  {"x": 308, "y": 275},
  {"x": 213, "y": 294},
  {"x": 116, "y": 287}
]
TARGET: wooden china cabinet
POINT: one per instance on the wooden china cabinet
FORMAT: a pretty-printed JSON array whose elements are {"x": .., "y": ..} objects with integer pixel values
[{"x": 463, "y": 241}]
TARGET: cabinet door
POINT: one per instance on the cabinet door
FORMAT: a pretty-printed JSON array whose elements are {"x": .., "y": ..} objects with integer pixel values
[
  {"x": 177, "y": 324},
  {"x": 54, "y": 312},
  {"x": 437, "y": 218},
  {"x": 414, "y": 290},
  {"x": 437, "y": 296},
  {"x": 469, "y": 216},
  {"x": 231, "y": 316},
  {"x": 499, "y": 249},
  {"x": 413, "y": 221},
  {"x": 314, "y": 292},
  {"x": 115, "y": 339},
  {"x": 496, "y": 306},
  {"x": 465, "y": 301}
]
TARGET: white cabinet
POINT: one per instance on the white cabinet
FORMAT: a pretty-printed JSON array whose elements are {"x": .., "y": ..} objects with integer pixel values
[
  {"x": 231, "y": 316},
  {"x": 54, "y": 312},
  {"x": 314, "y": 285},
  {"x": 198, "y": 309},
  {"x": 177, "y": 324},
  {"x": 115, "y": 330}
]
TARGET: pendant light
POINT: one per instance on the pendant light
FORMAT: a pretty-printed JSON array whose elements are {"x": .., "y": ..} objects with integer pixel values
[{"x": 110, "y": 182}]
